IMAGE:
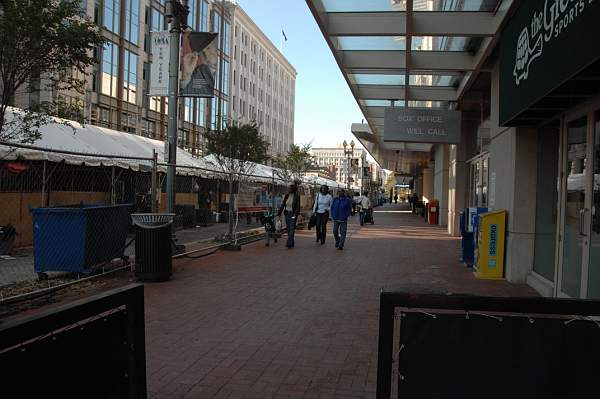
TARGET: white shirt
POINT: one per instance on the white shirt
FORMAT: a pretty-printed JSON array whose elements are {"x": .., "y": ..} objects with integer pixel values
[
  {"x": 364, "y": 202},
  {"x": 323, "y": 203}
]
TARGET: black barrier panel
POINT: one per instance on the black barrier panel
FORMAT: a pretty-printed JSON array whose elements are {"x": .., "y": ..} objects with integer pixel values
[
  {"x": 463, "y": 346},
  {"x": 89, "y": 348},
  {"x": 89, "y": 360}
]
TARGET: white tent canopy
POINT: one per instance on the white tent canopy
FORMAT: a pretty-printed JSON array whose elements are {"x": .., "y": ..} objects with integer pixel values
[{"x": 91, "y": 145}]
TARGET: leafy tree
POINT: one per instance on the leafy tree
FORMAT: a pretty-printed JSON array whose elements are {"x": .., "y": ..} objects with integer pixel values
[
  {"x": 294, "y": 164},
  {"x": 235, "y": 152},
  {"x": 45, "y": 41}
]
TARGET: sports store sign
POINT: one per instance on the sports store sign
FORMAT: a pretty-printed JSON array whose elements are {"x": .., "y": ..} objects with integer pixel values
[{"x": 544, "y": 44}]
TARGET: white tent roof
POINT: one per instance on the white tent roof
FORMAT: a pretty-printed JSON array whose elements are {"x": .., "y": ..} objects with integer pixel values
[{"x": 97, "y": 146}]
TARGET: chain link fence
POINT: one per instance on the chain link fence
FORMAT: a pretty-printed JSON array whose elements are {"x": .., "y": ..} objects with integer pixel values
[{"x": 70, "y": 212}]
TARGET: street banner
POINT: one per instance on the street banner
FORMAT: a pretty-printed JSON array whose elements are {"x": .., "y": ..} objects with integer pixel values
[
  {"x": 159, "y": 68},
  {"x": 253, "y": 198},
  {"x": 200, "y": 60}
]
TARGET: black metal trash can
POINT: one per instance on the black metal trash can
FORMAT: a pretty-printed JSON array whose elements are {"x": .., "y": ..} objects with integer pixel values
[{"x": 153, "y": 250}]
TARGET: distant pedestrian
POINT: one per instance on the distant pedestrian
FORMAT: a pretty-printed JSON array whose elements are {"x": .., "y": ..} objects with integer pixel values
[
  {"x": 364, "y": 207},
  {"x": 340, "y": 211},
  {"x": 290, "y": 207},
  {"x": 396, "y": 198},
  {"x": 321, "y": 209}
]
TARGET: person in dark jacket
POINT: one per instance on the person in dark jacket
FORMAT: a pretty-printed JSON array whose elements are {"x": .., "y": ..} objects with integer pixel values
[
  {"x": 340, "y": 211},
  {"x": 290, "y": 207}
]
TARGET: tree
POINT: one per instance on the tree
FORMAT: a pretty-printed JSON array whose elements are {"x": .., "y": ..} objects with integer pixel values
[
  {"x": 294, "y": 164},
  {"x": 235, "y": 151},
  {"x": 45, "y": 45}
]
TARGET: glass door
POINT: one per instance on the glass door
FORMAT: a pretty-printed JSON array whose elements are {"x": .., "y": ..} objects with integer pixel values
[
  {"x": 574, "y": 232},
  {"x": 593, "y": 281}
]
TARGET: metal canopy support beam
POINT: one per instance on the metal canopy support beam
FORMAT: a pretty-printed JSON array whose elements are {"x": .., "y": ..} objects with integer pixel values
[
  {"x": 409, "y": 28},
  {"x": 428, "y": 23},
  {"x": 453, "y": 61},
  {"x": 422, "y": 93}
]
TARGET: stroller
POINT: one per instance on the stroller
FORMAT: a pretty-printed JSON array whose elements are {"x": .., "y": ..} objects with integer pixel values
[{"x": 269, "y": 222}]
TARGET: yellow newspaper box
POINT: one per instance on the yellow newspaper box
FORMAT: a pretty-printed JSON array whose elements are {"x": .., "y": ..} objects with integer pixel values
[{"x": 489, "y": 254}]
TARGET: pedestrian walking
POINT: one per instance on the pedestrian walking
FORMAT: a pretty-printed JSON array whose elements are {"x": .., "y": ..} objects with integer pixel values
[
  {"x": 321, "y": 209},
  {"x": 341, "y": 208},
  {"x": 364, "y": 206},
  {"x": 290, "y": 207},
  {"x": 396, "y": 198}
]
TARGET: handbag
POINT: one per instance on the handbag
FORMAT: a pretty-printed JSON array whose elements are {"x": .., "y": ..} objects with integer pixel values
[{"x": 312, "y": 222}]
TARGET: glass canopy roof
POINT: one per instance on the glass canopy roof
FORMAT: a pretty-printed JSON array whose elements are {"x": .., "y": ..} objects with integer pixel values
[
  {"x": 400, "y": 5},
  {"x": 425, "y": 57}
]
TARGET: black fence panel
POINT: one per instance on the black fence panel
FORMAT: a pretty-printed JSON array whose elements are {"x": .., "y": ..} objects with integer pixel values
[
  {"x": 456, "y": 346},
  {"x": 93, "y": 348}
]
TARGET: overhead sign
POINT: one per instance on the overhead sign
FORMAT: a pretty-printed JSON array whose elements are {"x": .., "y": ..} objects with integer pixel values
[
  {"x": 421, "y": 125},
  {"x": 544, "y": 44},
  {"x": 199, "y": 64},
  {"x": 159, "y": 68}
]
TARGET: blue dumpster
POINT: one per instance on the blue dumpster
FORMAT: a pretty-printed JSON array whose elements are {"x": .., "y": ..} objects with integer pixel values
[{"x": 77, "y": 238}]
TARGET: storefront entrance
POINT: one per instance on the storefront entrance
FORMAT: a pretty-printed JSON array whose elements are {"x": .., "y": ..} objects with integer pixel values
[{"x": 578, "y": 241}]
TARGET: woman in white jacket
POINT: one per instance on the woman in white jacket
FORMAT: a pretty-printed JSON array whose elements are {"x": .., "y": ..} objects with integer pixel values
[{"x": 321, "y": 210}]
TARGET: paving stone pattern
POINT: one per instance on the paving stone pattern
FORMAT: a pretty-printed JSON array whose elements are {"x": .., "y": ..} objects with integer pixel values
[{"x": 300, "y": 323}]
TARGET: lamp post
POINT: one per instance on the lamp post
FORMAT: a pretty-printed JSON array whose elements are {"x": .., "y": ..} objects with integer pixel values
[
  {"x": 176, "y": 12},
  {"x": 348, "y": 153}
]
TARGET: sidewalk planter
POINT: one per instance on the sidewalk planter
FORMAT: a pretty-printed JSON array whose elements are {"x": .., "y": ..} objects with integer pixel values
[{"x": 77, "y": 238}]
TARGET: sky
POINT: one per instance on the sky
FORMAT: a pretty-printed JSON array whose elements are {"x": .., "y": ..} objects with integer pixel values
[{"x": 325, "y": 107}]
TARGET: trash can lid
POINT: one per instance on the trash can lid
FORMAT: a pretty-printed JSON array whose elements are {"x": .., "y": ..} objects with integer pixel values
[{"x": 152, "y": 220}]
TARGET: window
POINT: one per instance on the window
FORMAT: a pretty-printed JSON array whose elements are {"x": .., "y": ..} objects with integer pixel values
[
  {"x": 234, "y": 76},
  {"x": 225, "y": 86},
  {"x": 110, "y": 69},
  {"x": 104, "y": 117},
  {"x": 132, "y": 20},
  {"x": 188, "y": 110},
  {"x": 157, "y": 21},
  {"x": 203, "y": 27},
  {"x": 193, "y": 14},
  {"x": 111, "y": 15},
  {"x": 200, "y": 112},
  {"x": 217, "y": 25},
  {"x": 226, "y": 29},
  {"x": 130, "y": 77}
]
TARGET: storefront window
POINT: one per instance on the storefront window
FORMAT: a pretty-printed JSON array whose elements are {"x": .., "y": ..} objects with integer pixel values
[
  {"x": 594, "y": 268},
  {"x": 546, "y": 202}
]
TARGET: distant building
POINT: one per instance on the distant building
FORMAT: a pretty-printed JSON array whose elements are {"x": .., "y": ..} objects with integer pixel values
[
  {"x": 352, "y": 171},
  {"x": 328, "y": 172}
]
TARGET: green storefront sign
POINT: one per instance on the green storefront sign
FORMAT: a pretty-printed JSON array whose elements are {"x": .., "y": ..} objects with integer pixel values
[{"x": 544, "y": 44}]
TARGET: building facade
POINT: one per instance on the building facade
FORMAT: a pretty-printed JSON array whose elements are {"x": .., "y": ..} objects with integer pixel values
[
  {"x": 116, "y": 92},
  {"x": 262, "y": 84},
  {"x": 352, "y": 172}
]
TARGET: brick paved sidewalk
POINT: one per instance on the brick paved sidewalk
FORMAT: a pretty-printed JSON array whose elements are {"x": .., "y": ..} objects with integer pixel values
[{"x": 300, "y": 323}]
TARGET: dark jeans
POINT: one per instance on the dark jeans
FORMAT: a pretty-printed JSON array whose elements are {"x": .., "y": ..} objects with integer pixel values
[
  {"x": 339, "y": 232},
  {"x": 290, "y": 224},
  {"x": 361, "y": 214},
  {"x": 321, "y": 226}
]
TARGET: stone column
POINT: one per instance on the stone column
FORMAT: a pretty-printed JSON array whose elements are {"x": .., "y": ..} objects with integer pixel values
[{"x": 441, "y": 181}]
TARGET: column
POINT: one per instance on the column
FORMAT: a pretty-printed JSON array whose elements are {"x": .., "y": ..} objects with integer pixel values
[
  {"x": 441, "y": 180},
  {"x": 513, "y": 161}
]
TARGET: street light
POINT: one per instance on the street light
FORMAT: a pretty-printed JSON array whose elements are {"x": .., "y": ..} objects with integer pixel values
[{"x": 348, "y": 154}]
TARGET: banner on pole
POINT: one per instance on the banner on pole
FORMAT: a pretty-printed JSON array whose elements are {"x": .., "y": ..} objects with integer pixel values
[
  {"x": 159, "y": 69},
  {"x": 200, "y": 60}
]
